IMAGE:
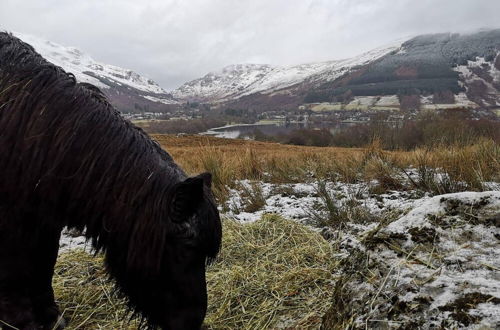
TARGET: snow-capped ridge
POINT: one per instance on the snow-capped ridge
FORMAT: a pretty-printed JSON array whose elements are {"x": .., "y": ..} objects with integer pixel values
[
  {"x": 86, "y": 69},
  {"x": 238, "y": 80}
]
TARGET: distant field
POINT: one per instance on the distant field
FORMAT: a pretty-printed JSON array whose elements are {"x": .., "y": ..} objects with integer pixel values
[
  {"x": 230, "y": 160},
  {"x": 172, "y": 142},
  {"x": 145, "y": 122}
]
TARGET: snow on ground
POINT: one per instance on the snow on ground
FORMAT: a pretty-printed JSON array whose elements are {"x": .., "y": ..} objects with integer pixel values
[
  {"x": 436, "y": 206},
  {"x": 71, "y": 240},
  {"x": 160, "y": 100},
  {"x": 462, "y": 99},
  {"x": 468, "y": 75},
  {"x": 295, "y": 201},
  {"x": 438, "y": 265},
  {"x": 388, "y": 101},
  {"x": 364, "y": 101}
]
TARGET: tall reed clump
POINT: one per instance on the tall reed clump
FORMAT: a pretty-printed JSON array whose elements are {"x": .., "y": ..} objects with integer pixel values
[
  {"x": 381, "y": 166},
  {"x": 385, "y": 175},
  {"x": 474, "y": 165},
  {"x": 430, "y": 177},
  {"x": 252, "y": 197},
  {"x": 223, "y": 173},
  {"x": 453, "y": 169},
  {"x": 250, "y": 165},
  {"x": 325, "y": 167},
  {"x": 348, "y": 169},
  {"x": 317, "y": 164},
  {"x": 283, "y": 168},
  {"x": 335, "y": 212}
]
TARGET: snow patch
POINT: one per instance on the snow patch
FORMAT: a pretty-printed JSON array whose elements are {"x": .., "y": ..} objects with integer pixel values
[
  {"x": 436, "y": 206},
  {"x": 388, "y": 101}
]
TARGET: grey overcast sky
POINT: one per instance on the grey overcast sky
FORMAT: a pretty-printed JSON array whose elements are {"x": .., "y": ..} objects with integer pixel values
[{"x": 174, "y": 41}]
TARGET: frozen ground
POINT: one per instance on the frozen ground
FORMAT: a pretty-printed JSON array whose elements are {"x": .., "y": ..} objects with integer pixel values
[
  {"x": 424, "y": 262},
  {"x": 436, "y": 267},
  {"x": 70, "y": 240},
  {"x": 296, "y": 201}
]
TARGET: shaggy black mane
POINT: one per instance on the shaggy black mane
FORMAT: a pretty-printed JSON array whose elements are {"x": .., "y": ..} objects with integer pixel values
[{"x": 72, "y": 157}]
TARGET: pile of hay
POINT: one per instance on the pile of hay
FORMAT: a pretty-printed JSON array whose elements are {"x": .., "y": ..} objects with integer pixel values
[
  {"x": 273, "y": 273},
  {"x": 85, "y": 296}
]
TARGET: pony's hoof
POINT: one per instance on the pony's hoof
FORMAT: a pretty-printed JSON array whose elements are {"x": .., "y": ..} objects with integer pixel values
[
  {"x": 57, "y": 325},
  {"x": 61, "y": 323}
]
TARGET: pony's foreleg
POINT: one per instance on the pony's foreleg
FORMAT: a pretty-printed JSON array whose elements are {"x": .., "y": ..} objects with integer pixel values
[
  {"x": 16, "y": 312},
  {"x": 16, "y": 272},
  {"x": 42, "y": 294}
]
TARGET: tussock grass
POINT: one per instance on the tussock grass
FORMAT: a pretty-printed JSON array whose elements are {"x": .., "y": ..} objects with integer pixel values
[
  {"x": 335, "y": 213},
  {"x": 253, "y": 160},
  {"x": 472, "y": 164},
  {"x": 252, "y": 196},
  {"x": 270, "y": 273},
  {"x": 250, "y": 165},
  {"x": 385, "y": 173},
  {"x": 222, "y": 173}
]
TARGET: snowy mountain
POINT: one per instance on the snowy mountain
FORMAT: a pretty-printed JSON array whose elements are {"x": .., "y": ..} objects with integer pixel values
[
  {"x": 435, "y": 71},
  {"x": 126, "y": 89},
  {"x": 239, "y": 80}
]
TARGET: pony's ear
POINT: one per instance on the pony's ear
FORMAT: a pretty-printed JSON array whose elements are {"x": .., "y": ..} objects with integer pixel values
[
  {"x": 207, "y": 179},
  {"x": 186, "y": 197}
]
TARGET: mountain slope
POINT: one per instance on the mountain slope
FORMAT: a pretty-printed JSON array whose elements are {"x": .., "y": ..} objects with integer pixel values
[
  {"x": 239, "y": 80},
  {"x": 127, "y": 90},
  {"x": 436, "y": 65}
]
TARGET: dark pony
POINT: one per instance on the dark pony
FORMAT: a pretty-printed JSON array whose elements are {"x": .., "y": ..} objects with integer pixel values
[{"x": 68, "y": 159}]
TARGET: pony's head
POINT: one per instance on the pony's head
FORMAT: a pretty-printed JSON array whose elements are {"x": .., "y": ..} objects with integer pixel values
[
  {"x": 184, "y": 260},
  {"x": 175, "y": 296}
]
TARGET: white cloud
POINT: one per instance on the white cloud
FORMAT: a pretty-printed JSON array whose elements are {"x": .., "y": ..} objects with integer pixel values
[{"x": 175, "y": 41}]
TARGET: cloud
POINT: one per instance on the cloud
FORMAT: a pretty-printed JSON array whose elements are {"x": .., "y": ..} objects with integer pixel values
[{"x": 174, "y": 41}]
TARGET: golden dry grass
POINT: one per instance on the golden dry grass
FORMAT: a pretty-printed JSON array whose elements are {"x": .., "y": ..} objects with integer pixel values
[
  {"x": 229, "y": 160},
  {"x": 85, "y": 295}
]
